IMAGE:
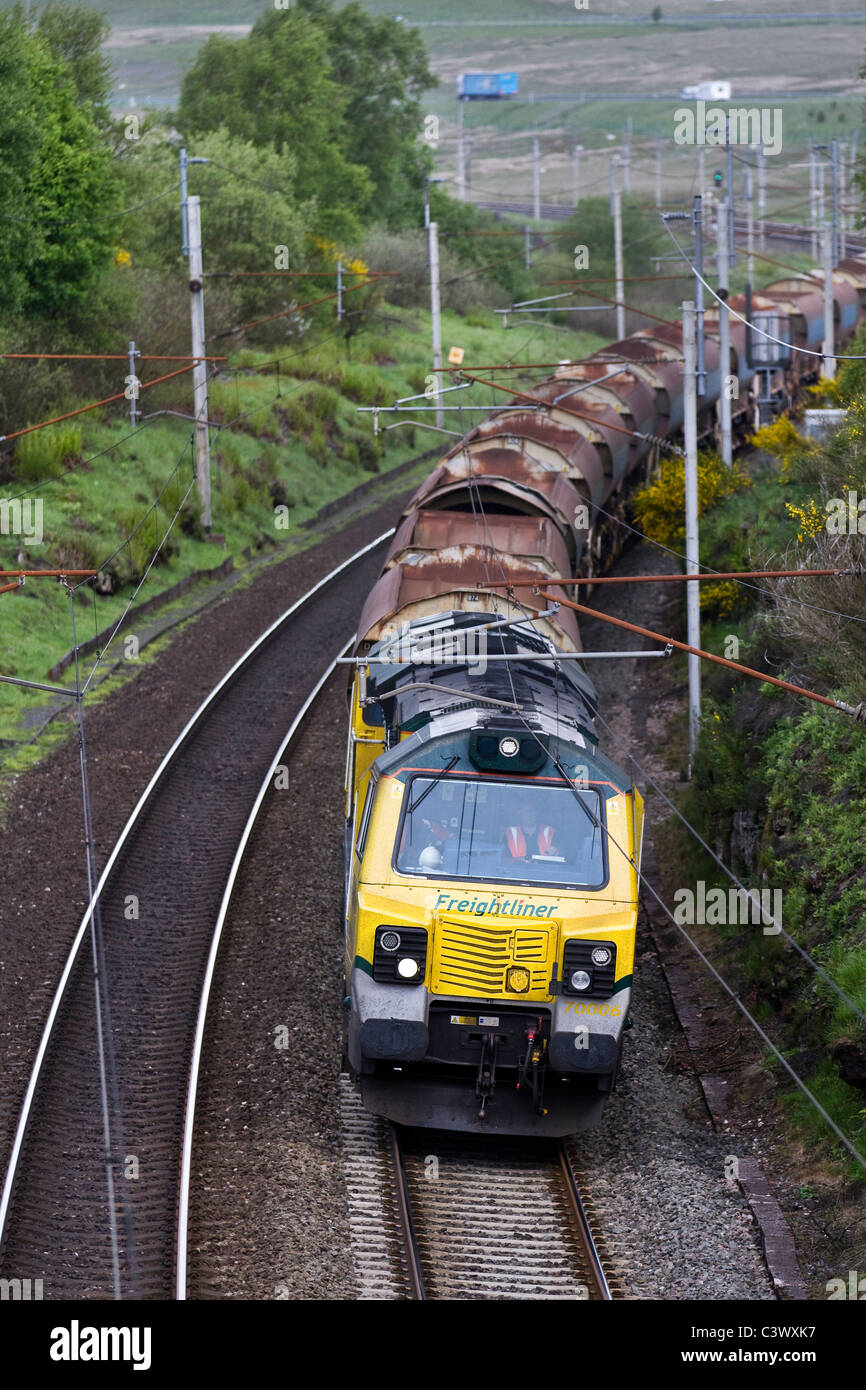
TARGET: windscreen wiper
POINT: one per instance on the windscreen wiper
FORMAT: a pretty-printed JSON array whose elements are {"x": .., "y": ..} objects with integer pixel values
[{"x": 435, "y": 783}]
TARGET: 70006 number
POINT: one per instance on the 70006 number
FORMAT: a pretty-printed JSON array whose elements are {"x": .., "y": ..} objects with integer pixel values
[{"x": 609, "y": 1010}]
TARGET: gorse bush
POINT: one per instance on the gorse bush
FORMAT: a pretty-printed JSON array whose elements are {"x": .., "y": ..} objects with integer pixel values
[{"x": 659, "y": 507}]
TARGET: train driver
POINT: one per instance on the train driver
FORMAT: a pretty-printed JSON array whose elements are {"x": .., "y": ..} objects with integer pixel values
[{"x": 530, "y": 836}]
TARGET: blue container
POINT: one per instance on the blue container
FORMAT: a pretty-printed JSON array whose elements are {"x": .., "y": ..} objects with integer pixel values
[{"x": 480, "y": 86}]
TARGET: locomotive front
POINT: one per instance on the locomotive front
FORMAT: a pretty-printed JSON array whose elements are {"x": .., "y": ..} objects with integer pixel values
[{"x": 492, "y": 885}]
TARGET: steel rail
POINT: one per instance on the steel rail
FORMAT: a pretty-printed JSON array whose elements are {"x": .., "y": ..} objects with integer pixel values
[
  {"x": 412, "y": 1254},
  {"x": 582, "y": 1221},
  {"x": 198, "y": 1043},
  {"x": 196, "y": 717}
]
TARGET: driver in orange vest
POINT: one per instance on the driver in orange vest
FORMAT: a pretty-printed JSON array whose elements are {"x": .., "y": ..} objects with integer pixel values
[{"x": 529, "y": 837}]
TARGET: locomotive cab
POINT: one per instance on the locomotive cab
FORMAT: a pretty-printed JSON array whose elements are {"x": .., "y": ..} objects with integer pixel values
[{"x": 491, "y": 899}]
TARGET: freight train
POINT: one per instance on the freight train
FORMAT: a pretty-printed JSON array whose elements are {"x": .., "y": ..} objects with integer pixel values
[{"x": 492, "y": 849}]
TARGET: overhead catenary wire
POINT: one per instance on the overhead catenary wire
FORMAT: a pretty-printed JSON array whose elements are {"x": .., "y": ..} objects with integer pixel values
[
  {"x": 569, "y": 410},
  {"x": 151, "y": 562},
  {"x": 284, "y": 313},
  {"x": 109, "y": 1091},
  {"x": 329, "y": 273},
  {"x": 767, "y": 916},
  {"x": 88, "y": 222},
  {"x": 857, "y": 712},
  {"x": 94, "y": 405},
  {"x": 807, "y": 352},
  {"x": 744, "y": 583},
  {"x": 709, "y": 577},
  {"x": 147, "y": 419},
  {"x": 643, "y": 879},
  {"x": 632, "y": 308},
  {"x": 111, "y": 357}
]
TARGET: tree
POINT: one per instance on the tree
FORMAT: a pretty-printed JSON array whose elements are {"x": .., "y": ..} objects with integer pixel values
[
  {"x": 60, "y": 190},
  {"x": 276, "y": 88},
  {"x": 74, "y": 36},
  {"x": 20, "y": 137},
  {"x": 247, "y": 195},
  {"x": 656, "y": 14},
  {"x": 340, "y": 90},
  {"x": 381, "y": 69}
]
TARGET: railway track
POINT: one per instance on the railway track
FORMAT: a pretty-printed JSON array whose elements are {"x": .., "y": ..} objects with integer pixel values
[
  {"x": 442, "y": 1216},
  {"x": 778, "y": 231},
  {"x": 160, "y": 905}
]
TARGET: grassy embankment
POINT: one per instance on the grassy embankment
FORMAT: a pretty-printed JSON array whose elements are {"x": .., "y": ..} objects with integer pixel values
[
  {"x": 293, "y": 440},
  {"x": 779, "y": 786}
]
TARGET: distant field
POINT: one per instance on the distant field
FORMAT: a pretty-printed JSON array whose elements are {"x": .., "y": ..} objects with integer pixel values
[
  {"x": 553, "y": 46},
  {"x": 559, "y": 50}
]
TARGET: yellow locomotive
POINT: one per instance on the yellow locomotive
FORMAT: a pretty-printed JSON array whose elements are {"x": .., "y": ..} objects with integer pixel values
[
  {"x": 492, "y": 856},
  {"x": 492, "y": 851}
]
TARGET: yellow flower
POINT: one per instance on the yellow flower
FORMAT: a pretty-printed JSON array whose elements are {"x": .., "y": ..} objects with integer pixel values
[
  {"x": 810, "y": 520},
  {"x": 122, "y": 257}
]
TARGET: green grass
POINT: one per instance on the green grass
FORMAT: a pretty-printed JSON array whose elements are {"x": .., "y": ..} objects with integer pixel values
[
  {"x": 801, "y": 771},
  {"x": 553, "y": 46},
  {"x": 295, "y": 439}
]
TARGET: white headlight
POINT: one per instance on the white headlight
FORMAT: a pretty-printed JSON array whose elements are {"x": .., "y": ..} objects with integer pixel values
[
  {"x": 509, "y": 747},
  {"x": 601, "y": 955},
  {"x": 389, "y": 940},
  {"x": 407, "y": 967},
  {"x": 580, "y": 980}
]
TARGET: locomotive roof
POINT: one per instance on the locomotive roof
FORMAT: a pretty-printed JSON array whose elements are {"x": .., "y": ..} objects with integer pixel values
[{"x": 432, "y": 677}]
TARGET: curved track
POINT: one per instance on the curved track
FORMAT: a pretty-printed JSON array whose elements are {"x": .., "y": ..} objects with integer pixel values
[
  {"x": 161, "y": 901},
  {"x": 183, "y": 1219}
]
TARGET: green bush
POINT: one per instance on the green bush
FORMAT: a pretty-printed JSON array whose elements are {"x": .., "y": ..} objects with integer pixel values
[
  {"x": 224, "y": 401},
  {"x": 298, "y": 415},
  {"x": 44, "y": 453},
  {"x": 324, "y": 402},
  {"x": 362, "y": 384},
  {"x": 319, "y": 445},
  {"x": 143, "y": 530},
  {"x": 378, "y": 349},
  {"x": 370, "y": 453},
  {"x": 228, "y": 455}
]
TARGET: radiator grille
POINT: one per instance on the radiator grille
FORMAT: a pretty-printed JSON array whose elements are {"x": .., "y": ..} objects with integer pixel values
[{"x": 473, "y": 958}]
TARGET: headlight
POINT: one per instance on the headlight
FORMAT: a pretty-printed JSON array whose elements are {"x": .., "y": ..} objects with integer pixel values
[
  {"x": 589, "y": 968},
  {"x": 400, "y": 955}
]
